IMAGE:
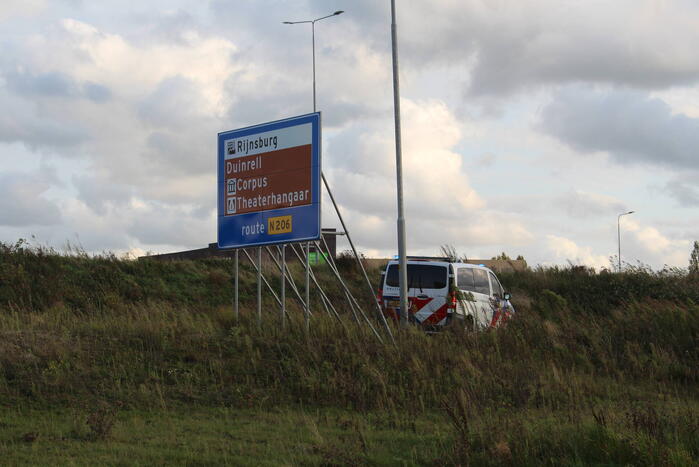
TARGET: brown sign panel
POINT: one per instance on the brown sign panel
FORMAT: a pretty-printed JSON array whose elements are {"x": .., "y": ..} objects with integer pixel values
[{"x": 271, "y": 180}]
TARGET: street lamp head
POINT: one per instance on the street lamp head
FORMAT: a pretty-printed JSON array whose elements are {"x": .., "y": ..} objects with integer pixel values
[
  {"x": 630, "y": 212},
  {"x": 313, "y": 21}
]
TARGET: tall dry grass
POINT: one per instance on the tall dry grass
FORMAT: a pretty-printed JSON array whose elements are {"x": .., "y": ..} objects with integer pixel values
[{"x": 591, "y": 360}]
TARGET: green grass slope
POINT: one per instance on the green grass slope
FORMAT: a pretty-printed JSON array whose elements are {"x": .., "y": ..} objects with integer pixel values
[{"x": 596, "y": 368}]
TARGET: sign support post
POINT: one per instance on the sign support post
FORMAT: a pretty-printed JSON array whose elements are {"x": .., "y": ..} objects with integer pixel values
[
  {"x": 308, "y": 288},
  {"x": 356, "y": 255},
  {"x": 236, "y": 310},
  {"x": 289, "y": 276},
  {"x": 283, "y": 278},
  {"x": 259, "y": 287}
]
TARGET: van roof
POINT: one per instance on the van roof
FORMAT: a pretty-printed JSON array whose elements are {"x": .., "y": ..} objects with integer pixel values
[
  {"x": 439, "y": 262},
  {"x": 429, "y": 258}
]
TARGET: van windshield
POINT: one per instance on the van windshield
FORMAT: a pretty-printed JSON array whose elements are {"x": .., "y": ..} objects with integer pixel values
[{"x": 420, "y": 276}]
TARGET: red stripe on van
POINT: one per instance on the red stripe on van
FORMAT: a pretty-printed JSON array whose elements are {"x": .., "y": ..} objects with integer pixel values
[{"x": 437, "y": 316}]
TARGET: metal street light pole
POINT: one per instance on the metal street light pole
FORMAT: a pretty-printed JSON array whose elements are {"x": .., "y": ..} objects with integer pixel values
[
  {"x": 402, "y": 260},
  {"x": 327, "y": 187},
  {"x": 313, "y": 39},
  {"x": 308, "y": 245},
  {"x": 618, "y": 233}
]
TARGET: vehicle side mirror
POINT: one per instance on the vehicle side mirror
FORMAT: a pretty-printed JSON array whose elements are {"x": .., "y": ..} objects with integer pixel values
[{"x": 508, "y": 295}]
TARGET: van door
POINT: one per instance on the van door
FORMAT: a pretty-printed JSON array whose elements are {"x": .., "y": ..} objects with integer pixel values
[
  {"x": 427, "y": 293},
  {"x": 477, "y": 312}
]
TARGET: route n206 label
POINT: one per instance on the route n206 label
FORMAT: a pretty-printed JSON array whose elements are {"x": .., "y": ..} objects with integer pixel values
[{"x": 279, "y": 225}]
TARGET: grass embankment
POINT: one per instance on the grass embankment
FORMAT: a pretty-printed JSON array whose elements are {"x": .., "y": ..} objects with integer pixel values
[{"x": 597, "y": 368}]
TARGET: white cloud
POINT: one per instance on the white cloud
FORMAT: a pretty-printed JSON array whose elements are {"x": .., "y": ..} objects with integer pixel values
[
  {"x": 126, "y": 101},
  {"x": 435, "y": 185},
  {"x": 441, "y": 206},
  {"x": 682, "y": 100},
  {"x": 652, "y": 246},
  {"x": 131, "y": 69},
  {"x": 649, "y": 237},
  {"x": 565, "y": 249},
  {"x": 159, "y": 128}
]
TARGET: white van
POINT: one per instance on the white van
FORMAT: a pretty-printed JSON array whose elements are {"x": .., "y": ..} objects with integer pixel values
[{"x": 441, "y": 292}]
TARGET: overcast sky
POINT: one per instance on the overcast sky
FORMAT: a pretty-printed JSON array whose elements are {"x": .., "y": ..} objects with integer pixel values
[{"x": 528, "y": 125}]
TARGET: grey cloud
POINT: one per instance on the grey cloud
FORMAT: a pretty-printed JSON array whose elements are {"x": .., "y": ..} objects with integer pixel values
[
  {"x": 508, "y": 47},
  {"x": 250, "y": 108},
  {"x": 283, "y": 58},
  {"x": 54, "y": 84},
  {"x": 628, "y": 125},
  {"x": 339, "y": 112},
  {"x": 505, "y": 64},
  {"x": 474, "y": 232},
  {"x": 684, "y": 191},
  {"x": 36, "y": 109},
  {"x": 98, "y": 192},
  {"x": 22, "y": 121},
  {"x": 160, "y": 225},
  {"x": 181, "y": 136},
  {"x": 513, "y": 46},
  {"x": 255, "y": 106},
  {"x": 173, "y": 153},
  {"x": 587, "y": 205},
  {"x": 526, "y": 204},
  {"x": 166, "y": 27},
  {"x": 40, "y": 133},
  {"x": 251, "y": 15},
  {"x": 484, "y": 161},
  {"x": 22, "y": 202},
  {"x": 171, "y": 104},
  {"x": 346, "y": 147},
  {"x": 96, "y": 92},
  {"x": 50, "y": 84},
  {"x": 204, "y": 211}
]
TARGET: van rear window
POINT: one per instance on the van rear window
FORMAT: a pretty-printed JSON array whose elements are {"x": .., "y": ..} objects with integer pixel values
[{"x": 420, "y": 276}]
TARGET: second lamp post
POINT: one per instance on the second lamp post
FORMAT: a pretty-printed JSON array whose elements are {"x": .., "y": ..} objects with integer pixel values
[
  {"x": 618, "y": 233},
  {"x": 313, "y": 38}
]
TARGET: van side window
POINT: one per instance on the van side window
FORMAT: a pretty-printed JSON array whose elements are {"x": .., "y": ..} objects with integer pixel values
[
  {"x": 464, "y": 279},
  {"x": 480, "y": 279},
  {"x": 497, "y": 288}
]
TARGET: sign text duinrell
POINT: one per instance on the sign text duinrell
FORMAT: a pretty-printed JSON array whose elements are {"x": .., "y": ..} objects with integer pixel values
[{"x": 269, "y": 183}]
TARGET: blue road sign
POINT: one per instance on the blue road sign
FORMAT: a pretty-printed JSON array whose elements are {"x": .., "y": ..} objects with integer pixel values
[{"x": 269, "y": 183}]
